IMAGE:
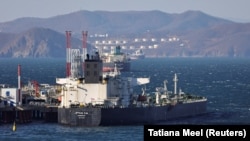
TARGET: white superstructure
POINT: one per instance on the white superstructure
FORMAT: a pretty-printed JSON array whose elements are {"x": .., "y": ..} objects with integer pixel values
[
  {"x": 10, "y": 96},
  {"x": 96, "y": 88}
]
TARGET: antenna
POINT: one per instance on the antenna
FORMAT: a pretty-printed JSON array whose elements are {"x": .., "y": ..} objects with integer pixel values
[
  {"x": 165, "y": 87},
  {"x": 175, "y": 83}
]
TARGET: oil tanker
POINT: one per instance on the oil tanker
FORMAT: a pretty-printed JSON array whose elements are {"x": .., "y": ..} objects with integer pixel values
[
  {"x": 107, "y": 98},
  {"x": 138, "y": 54},
  {"x": 115, "y": 57}
]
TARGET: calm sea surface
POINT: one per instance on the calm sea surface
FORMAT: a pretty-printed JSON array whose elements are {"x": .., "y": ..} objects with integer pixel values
[{"x": 224, "y": 81}]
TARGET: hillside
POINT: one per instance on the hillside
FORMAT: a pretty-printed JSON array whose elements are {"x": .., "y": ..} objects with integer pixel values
[
  {"x": 188, "y": 34},
  {"x": 35, "y": 43},
  {"x": 126, "y": 22}
]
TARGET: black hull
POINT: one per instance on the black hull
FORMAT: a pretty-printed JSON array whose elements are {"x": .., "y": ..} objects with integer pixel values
[
  {"x": 79, "y": 116},
  {"x": 150, "y": 115},
  {"x": 133, "y": 116}
]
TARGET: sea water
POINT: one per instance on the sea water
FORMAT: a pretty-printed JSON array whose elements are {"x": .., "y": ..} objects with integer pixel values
[{"x": 224, "y": 81}]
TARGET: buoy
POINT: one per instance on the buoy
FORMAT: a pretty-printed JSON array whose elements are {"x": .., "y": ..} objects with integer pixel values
[{"x": 14, "y": 126}]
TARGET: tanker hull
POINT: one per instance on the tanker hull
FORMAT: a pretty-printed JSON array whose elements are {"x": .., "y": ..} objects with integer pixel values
[
  {"x": 79, "y": 116},
  {"x": 89, "y": 116},
  {"x": 150, "y": 115}
]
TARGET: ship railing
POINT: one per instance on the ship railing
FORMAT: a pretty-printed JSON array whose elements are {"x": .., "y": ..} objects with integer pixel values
[
  {"x": 194, "y": 100},
  {"x": 97, "y": 102}
]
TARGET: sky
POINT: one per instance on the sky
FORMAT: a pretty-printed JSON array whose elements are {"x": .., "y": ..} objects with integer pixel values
[{"x": 235, "y": 10}]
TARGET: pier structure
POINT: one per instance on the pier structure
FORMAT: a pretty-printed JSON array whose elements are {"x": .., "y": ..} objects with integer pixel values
[
  {"x": 27, "y": 114},
  {"x": 24, "y": 106}
]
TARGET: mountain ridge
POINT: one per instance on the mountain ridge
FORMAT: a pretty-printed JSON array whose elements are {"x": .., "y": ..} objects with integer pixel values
[{"x": 200, "y": 34}]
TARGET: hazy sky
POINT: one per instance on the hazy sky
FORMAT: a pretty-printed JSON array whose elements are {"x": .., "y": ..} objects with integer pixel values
[{"x": 237, "y": 10}]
